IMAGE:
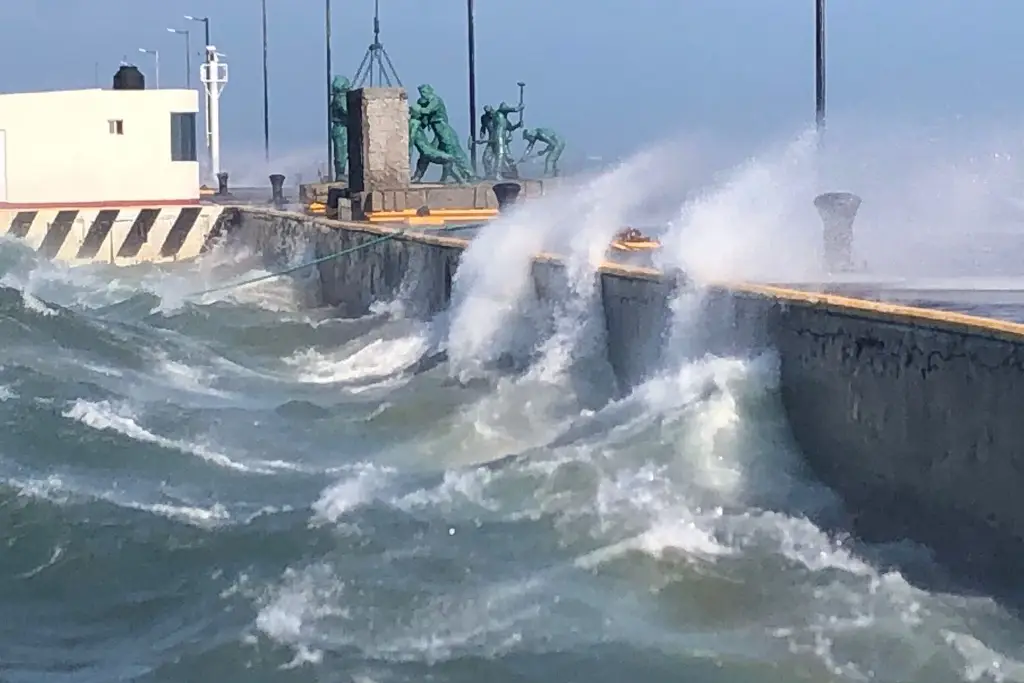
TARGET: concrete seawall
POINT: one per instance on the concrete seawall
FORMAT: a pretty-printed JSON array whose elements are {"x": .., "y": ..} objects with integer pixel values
[
  {"x": 120, "y": 236},
  {"x": 909, "y": 414}
]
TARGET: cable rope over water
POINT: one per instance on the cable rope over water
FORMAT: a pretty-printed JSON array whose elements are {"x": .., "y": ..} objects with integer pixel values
[{"x": 322, "y": 259}]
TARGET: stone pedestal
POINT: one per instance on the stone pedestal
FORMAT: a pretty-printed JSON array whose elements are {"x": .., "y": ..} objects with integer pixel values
[
  {"x": 427, "y": 197},
  {"x": 378, "y": 138}
]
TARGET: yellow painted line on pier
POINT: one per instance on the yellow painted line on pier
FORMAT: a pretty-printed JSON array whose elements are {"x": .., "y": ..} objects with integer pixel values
[
  {"x": 910, "y": 314},
  {"x": 423, "y": 220},
  {"x": 445, "y": 213},
  {"x": 409, "y": 216},
  {"x": 888, "y": 311},
  {"x": 382, "y": 229},
  {"x": 841, "y": 304},
  {"x": 626, "y": 270}
]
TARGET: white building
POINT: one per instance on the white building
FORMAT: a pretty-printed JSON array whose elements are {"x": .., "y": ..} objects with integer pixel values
[{"x": 98, "y": 148}]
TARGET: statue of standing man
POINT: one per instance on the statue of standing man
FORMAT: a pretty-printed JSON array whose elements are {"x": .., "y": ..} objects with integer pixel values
[
  {"x": 495, "y": 125},
  {"x": 339, "y": 125},
  {"x": 485, "y": 139},
  {"x": 501, "y": 129}
]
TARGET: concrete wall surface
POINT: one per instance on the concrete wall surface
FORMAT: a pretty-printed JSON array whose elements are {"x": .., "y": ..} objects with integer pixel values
[
  {"x": 909, "y": 414},
  {"x": 912, "y": 415}
]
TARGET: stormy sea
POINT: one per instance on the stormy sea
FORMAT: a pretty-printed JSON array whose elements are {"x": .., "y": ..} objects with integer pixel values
[{"x": 240, "y": 486}]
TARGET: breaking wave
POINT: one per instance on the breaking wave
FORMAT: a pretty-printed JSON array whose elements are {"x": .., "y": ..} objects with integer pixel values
[{"x": 241, "y": 487}]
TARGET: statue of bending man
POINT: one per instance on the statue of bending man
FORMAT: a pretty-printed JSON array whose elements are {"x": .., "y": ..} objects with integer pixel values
[{"x": 551, "y": 153}]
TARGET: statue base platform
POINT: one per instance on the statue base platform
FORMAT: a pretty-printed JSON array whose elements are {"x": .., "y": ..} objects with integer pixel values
[{"x": 422, "y": 198}]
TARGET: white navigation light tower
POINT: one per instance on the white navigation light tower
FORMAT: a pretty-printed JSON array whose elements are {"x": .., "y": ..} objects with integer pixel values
[{"x": 214, "y": 76}]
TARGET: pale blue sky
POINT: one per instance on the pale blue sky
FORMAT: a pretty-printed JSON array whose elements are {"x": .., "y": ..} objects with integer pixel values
[{"x": 611, "y": 75}]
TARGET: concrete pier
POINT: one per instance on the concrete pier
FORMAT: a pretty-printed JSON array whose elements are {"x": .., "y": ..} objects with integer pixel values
[{"x": 909, "y": 413}]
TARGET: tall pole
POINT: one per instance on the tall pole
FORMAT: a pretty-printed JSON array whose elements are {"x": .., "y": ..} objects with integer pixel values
[
  {"x": 156, "y": 61},
  {"x": 327, "y": 38},
  {"x": 209, "y": 106},
  {"x": 266, "y": 91},
  {"x": 206, "y": 110},
  {"x": 471, "y": 40},
  {"x": 819, "y": 64},
  {"x": 188, "y": 54},
  {"x": 188, "y": 60}
]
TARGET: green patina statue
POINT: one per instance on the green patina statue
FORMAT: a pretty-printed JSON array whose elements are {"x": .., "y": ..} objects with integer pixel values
[
  {"x": 339, "y": 124},
  {"x": 431, "y": 153},
  {"x": 495, "y": 125},
  {"x": 503, "y": 130},
  {"x": 430, "y": 109},
  {"x": 551, "y": 153},
  {"x": 484, "y": 139}
]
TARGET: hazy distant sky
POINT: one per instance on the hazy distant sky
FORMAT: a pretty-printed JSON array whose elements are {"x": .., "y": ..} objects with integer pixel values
[{"x": 610, "y": 74}]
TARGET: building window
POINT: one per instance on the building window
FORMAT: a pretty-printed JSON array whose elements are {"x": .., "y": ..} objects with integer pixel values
[
  {"x": 116, "y": 126},
  {"x": 183, "y": 136}
]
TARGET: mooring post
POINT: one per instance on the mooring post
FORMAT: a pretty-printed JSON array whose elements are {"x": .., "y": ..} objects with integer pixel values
[
  {"x": 838, "y": 210},
  {"x": 507, "y": 194},
  {"x": 222, "y": 183},
  {"x": 277, "y": 189}
]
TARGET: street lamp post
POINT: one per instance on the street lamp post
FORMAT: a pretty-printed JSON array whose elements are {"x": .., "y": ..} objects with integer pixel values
[
  {"x": 156, "y": 59},
  {"x": 819, "y": 64},
  {"x": 471, "y": 40},
  {"x": 206, "y": 109},
  {"x": 327, "y": 40},
  {"x": 206, "y": 24},
  {"x": 266, "y": 91},
  {"x": 188, "y": 54}
]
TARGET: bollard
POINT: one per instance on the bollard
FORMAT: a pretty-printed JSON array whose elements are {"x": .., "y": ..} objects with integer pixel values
[
  {"x": 838, "y": 211},
  {"x": 222, "y": 183},
  {"x": 277, "y": 189},
  {"x": 507, "y": 194}
]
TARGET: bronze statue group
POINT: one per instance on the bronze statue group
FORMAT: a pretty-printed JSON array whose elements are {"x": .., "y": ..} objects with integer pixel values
[{"x": 434, "y": 140}]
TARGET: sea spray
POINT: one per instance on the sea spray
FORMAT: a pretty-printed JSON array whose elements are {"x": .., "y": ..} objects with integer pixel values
[
  {"x": 495, "y": 309},
  {"x": 936, "y": 203},
  {"x": 673, "y": 529}
]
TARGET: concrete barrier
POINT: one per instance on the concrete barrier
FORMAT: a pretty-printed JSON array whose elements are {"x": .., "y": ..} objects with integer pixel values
[
  {"x": 910, "y": 414},
  {"x": 121, "y": 236}
]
